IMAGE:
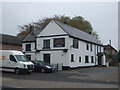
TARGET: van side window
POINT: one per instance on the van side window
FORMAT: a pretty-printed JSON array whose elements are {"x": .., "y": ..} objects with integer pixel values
[{"x": 12, "y": 58}]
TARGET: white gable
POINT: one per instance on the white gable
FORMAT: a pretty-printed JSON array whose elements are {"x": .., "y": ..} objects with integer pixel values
[{"x": 52, "y": 29}]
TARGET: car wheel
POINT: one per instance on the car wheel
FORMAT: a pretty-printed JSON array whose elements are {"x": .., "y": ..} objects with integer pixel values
[
  {"x": 42, "y": 70},
  {"x": 17, "y": 71}
]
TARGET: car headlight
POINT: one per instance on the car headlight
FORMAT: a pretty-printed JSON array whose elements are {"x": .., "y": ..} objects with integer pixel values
[{"x": 48, "y": 67}]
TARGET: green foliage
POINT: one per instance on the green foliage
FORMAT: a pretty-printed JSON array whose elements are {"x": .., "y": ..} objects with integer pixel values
[
  {"x": 77, "y": 22},
  {"x": 118, "y": 56},
  {"x": 110, "y": 56}
]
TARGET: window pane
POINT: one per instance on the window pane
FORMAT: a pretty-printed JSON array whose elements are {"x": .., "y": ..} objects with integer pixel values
[
  {"x": 87, "y": 46},
  {"x": 92, "y": 59},
  {"x": 46, "y": 44},
  {"x": 28, "y": 47},
  {"x": 21, "y": 58},
  {"x": 86, "y": 59},
  {"x": 91, "y": 47},
  {"x": 79, "y": 59},
  {"x": 72, "y": 58},
  {"x": 12, "y": 58},
  {"x": 75, "y": 43}
]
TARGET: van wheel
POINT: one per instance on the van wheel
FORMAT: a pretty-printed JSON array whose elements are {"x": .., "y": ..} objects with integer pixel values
[
  {"x": 17, "y": 71},
  {"x": 42, "y": 70}
]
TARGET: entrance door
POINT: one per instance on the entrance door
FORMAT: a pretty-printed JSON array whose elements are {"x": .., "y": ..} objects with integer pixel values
[
  {"x": 99, "y": 60},
  {"x": 46, "y": 58}
]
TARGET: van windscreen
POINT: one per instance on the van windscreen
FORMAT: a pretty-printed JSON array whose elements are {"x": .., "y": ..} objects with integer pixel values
[{"x": 22, "y": 58}]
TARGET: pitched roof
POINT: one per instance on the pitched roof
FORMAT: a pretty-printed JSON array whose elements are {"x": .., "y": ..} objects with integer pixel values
[
  {"x": 74, "y": 32},
  {"x": 9, "y": 39},
  {"x": 32, "y": 36},
  {"x": 107, "y": 46}
]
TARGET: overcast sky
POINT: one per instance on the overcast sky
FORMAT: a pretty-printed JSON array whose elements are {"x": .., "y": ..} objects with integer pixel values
[{"x": 103, "y": 16}]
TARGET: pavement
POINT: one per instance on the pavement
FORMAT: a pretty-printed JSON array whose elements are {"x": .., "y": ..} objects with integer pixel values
[{"x": 93, "y": 77}]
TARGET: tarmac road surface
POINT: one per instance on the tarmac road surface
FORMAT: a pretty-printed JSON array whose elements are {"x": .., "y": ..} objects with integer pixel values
[{"x": 93, "y": 77}]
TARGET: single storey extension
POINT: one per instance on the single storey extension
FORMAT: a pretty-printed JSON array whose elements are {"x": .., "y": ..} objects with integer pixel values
[{"x": 9, "y": 42}]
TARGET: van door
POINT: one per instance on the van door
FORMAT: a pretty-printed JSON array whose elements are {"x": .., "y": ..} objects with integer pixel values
[{"x": 12, "y": 62}]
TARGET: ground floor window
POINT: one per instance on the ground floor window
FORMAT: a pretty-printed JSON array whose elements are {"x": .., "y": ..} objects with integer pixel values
[
  {"x": 72, "y": 57},
  {"x": 80, "y": 59},
  {"x": 86, "y": 59},
  {"x": 46, "y": 58},
  {"x": 92, "y": 59}
]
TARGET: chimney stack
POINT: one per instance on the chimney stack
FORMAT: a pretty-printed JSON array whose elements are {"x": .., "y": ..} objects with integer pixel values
[
  {"x": 65, "y": 21},
  {"x": 110, "y": 42}
]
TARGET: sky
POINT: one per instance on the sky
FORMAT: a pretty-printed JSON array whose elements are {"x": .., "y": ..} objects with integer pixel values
[{"x": 103, "y": 16}]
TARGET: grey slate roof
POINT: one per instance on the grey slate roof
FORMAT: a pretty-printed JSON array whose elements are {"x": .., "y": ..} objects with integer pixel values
[
  {"x": 32, "y": 36},
  {"x": 71, "y": 31},
  {"x": 9, "y": 39}
]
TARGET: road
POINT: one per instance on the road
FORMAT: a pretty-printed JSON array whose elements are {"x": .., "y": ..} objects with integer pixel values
[{"x": 93, "y": 77}]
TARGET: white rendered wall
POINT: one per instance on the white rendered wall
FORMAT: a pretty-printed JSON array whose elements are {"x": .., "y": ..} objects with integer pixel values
[
  {"x": 58, "y": 56},
  {"x": 40, "y": 42},
  {"x": 81, "y": 52},
  {"x": 52, "y": 29},
  {"x": 32, "y": 52},
  {"x": 32, "y": 46}
]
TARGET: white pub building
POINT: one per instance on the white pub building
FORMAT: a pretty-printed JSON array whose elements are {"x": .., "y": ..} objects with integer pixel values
[{"x": 64, "y": 44}]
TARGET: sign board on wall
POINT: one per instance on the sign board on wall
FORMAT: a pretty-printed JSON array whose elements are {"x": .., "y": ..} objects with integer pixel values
[{"x": 59, "y": 42}]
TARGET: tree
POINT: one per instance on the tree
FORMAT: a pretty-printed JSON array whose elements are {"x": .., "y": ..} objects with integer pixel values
[
  {"x": 118, "y": 56},
  {"x": 77, "y": 21}
]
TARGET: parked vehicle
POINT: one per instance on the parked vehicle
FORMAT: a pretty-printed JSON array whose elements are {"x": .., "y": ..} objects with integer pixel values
[
  {"x": 41, "y": 66},
  {"x": 15, "y": 61}
]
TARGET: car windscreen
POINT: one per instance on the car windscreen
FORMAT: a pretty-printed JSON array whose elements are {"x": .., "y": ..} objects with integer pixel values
[
  {"x": 22, "y": 58},
  {"x": 43, "y": 63},
  {"x": 40, "y": 62}
]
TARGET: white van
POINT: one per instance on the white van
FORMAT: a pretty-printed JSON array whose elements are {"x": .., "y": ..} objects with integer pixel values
[{"x": 15, "y": 61}]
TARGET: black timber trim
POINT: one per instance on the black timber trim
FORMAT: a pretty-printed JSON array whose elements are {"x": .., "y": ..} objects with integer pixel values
[
  {"x": 53, "y": 36},
  {"x": 51, "y": 49},
  {"x": 28, "y": 41},
  {"x": 61, "y": 27},
  {"x": 85, "y": 40},
  {"x": 29, "y": 51}
]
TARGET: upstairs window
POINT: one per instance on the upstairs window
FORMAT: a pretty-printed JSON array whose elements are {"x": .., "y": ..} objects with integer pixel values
[
  {"x": 46, "y": 44},
  {"x": 97, "y": 49},
  {"x": 86, "y": 59},
  {"x": 87, "y": 46},
  {"x": 75, "y": 43},
  {"x": 91, "y": 47},
  {"x": 59, "y": 42},
  {"x": 100, "y": 49},
  {"x": 28, "y": 47}
]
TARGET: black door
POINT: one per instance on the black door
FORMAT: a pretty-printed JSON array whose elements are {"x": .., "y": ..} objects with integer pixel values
[
  {"x": 99, "y": 60},
  {"x": 46, "y": 58}
]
